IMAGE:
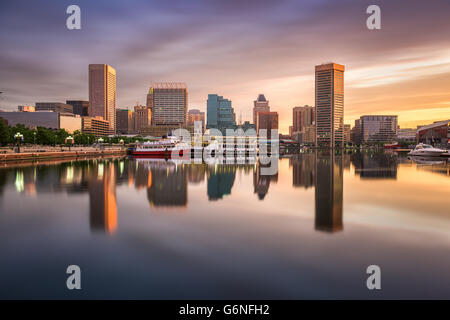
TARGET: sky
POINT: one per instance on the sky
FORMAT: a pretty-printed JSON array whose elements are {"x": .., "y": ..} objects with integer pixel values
[{"x": 237, "y": 49}]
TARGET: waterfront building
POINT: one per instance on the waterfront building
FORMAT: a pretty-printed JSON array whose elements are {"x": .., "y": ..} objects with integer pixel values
[
  {"x": 96, "y": 126},
  {"x": 406, "y": 134},
  {"x": 267, "y": 121},
  {"x": 161, "y": 131},
  {"x": 102, "y": 93},
  {"x": 303, "y": 117},
  {"x": 54, "y": 106},
  {"x": 260, "y": 105},
  {"x": 124, "y": 121},
  {"x": 329, "y": 96},
  {"x": 46, "y": 119},
  {"x": 347, "y": 129},
  {"x": 168, "y": 102},
  {"x": 196, "y": 115},
  {"x": 378, "y": 128},
  {"x": 142, "y": 117},
  {"x": 80, "y": 107},
  {"x": 437, "y": 133},
  {"x": 26, "y": 109},
  {"x": 220, "y": 113},
  {"x": 355, "y": 133}
]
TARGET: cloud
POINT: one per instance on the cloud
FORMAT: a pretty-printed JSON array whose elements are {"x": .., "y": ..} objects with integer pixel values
[{"x": 235, "y": 48}]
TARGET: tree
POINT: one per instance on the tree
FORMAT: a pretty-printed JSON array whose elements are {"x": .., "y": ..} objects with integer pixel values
[{"x": 4, "y": 133}]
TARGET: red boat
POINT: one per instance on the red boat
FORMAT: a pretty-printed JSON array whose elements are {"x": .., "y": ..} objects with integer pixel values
[{"x": 393, "y": 145}]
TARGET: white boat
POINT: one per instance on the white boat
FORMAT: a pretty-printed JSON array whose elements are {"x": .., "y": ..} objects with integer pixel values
[
  {"x": 423, "y": 149},
  {"x": 165, "y": 148}
]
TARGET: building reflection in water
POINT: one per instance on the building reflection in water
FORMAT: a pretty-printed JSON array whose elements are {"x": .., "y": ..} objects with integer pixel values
[
  {"x": 329, "y": 191},
  {"x": 220, "y": 180},
  {"x": 375, "y": 165},
  {"x": 303, "y": 170},
  {"x": 261, "y": 182},
  {"x": 102, "y": 197},
  {"x": 166, "y": 182}
]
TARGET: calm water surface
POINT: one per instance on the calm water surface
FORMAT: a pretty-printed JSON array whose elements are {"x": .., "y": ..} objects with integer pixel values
[{"x": 163, "y": 229}]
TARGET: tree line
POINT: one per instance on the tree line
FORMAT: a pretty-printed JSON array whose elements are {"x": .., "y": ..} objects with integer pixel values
[{"x": 46, "y": 136}]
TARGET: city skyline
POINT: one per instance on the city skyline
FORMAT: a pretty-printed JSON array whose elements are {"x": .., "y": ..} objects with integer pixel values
[{"x": 401, "y": 69}]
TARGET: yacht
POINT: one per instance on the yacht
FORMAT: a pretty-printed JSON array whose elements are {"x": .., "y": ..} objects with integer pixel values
[{"x": 423, "y": 149}]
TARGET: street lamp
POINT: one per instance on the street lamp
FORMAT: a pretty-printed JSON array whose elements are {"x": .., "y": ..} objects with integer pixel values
[
  {"x": 69, "y": 141},
  {"x": 100, "y": 141},
  {"x": 19, "y": 138},
  {"x": 34, "y": 136}
]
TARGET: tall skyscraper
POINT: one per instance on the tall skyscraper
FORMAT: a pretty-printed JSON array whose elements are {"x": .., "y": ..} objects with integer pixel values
[
  {"x": 303, "y": 117},
  {"x": 102, "y": 93},
  {"x": 220, "y": 113},
  {"x": 330, "y": 105},
  {"x": 260, "y": 105},
  {"x": 168, "y": 102}
]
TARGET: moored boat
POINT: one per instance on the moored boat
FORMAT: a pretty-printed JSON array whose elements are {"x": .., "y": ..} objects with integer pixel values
[
  {"x": 393, "y": 145},
  {"x": 423, "y": 149},
  {"x": 165, "y": 148}
]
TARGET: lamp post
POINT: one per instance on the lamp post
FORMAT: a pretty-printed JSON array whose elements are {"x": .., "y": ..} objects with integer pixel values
[
  {"x": 69, "y": 141},
  {"x": 34, "y": 137},
  {"x": 19, "y": 138},
  {"x": 100, "y": 141}
]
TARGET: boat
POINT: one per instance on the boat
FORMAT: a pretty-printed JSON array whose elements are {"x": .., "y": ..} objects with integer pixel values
[
  {"x": 423, "y": 149},
  {"x": 393, "y": 145},
  {"x": 165, "y": 148}
]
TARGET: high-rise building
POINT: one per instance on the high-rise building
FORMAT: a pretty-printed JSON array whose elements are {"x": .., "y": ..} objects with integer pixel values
[
  {"x": 378, "y": 128},
  {"x": 267, "y": 121},
  {"x": 302, "y": 117},
  {"x": 168, "y": 102},
  {"x": 102, "y": 93},
  {"x": 347, "y": 129},
  {"x": 80, "y": 107},
  {"x": 54, "y": 106},
  {"x": 142, "y": 118},
  {"x": 124, "y": 121},
  {"x": 355, "y": 133},
  {"x": 329, "y": 105},
  {"x": 260, "y": 105},
  {"x": 196, "y": 115},
  {"x": 220, "y": 113}
]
